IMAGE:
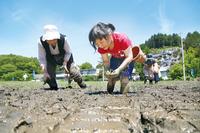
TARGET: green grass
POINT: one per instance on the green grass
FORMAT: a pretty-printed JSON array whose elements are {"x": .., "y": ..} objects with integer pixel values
[
  {"x": 21, "y": 84},
  {"x": 93, "y": 84}
]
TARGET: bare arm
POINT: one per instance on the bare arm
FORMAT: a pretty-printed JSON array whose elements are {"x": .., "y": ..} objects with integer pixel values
[
  {"x": 67, "y": 51},
  {"x": 128, "y": 59},
  {"x": 105, "y": 59},
  {"x": 156, "y": 67},
  {"x": 42, "y": 55},
  {"x": 42, "y": 60}
]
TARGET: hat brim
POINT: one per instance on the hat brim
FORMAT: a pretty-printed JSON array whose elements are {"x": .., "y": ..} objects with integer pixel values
[{"x": 51, "y": 36}]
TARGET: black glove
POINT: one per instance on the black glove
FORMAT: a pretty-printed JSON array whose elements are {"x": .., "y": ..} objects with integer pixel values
[{"x": 47, "y": 80}]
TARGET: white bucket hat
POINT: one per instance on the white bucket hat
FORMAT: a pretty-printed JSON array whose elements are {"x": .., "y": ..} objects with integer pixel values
[{"x": 50, "y": 33}]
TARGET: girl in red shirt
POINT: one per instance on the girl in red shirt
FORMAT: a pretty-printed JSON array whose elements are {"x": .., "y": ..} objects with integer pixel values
[{"x": 103, "y": 38}]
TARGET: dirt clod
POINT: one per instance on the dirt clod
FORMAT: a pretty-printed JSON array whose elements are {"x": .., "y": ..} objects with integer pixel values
[{"x": 165, "y": 108}]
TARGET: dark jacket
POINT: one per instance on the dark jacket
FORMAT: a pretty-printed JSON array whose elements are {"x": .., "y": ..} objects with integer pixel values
[{"x": 49, "y": 56}]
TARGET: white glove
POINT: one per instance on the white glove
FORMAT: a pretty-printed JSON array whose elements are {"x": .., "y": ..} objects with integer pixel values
[
  {"x": 42, "y": 67},
  {"x": 65, "y": 67}
]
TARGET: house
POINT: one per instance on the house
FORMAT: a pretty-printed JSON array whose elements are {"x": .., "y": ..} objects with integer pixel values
[
  {"x": 93, "y": 72},
  {"x": 61, "y": 75},
  {"x": 166, "y": 59},
  {"x": 164, "y": 72}
]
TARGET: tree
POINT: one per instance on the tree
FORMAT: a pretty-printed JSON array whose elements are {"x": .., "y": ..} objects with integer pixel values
[
  {"x": 176, "y": 72},
  {"x": 17, "y": 75},
  {"x": 6, "y": 68},
  {"x": 145, "y": 48},
  {"x": 86, "y": 65},
  {"x": 192, "y": 61},
  {"x": 192, "y": 40},
  {"x": 12, "y": 63},
  {"x": 139, "y": 70},
  {"x": 162, "y": 40}
]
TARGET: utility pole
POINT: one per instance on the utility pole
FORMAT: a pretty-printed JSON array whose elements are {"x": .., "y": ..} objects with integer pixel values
[
  {"x": 103, "y": 73},
  {"x": 103, "y": 76},
  {"x": 182, "y": 51}
]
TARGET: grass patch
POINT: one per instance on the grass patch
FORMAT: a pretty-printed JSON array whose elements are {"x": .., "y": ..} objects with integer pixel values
[{"x": 135, "y": 85}]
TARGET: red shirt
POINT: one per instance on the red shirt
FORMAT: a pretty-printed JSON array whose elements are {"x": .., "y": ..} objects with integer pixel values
[{"x": 121, "y": 43}]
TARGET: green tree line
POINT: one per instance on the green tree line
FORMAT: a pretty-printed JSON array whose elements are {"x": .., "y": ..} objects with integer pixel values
[
  {"x": 163, "y": 40},
  {"x": 13, "y": 67}
]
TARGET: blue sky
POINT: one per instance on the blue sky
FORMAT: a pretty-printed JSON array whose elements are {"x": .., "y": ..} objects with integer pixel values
[{"x": 22, "y": 21}]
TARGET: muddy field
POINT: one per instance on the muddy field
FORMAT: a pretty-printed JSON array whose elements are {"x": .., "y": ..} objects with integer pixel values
[{"x": 167, "y": 107}]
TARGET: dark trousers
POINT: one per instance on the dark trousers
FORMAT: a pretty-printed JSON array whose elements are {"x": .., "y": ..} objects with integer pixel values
[
  {"x": 130, "y": 70},
  {"x": 156, "y": 77},
  {"x": 115, "y": 63},
  {"x": 123, "y": 77},
  {"x": 51, "y": 69}
]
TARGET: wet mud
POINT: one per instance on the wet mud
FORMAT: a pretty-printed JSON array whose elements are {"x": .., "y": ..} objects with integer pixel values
[{"x": 161, "y": 108}]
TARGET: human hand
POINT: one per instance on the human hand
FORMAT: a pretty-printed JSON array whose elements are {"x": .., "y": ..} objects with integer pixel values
[
  {"x": 66, "y": 70},
  {"x": 42, "y": 67},
  {"x": 65, "y": 67},
  {"x": 106, "y": 70},
  {"x": 114, "y": 73},
  {"x": 65, "y": 63},
  {"x": 107, "y": 74},
  {"x": 46, "y": 77}
]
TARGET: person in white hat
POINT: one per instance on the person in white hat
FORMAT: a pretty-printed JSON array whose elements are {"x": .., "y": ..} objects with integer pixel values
[{"x": 53, "y": 50}]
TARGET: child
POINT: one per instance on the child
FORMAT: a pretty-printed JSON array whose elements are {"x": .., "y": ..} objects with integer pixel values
[
  {"x": 118, "y": 45},
  {"x": 151, "y": 70}
]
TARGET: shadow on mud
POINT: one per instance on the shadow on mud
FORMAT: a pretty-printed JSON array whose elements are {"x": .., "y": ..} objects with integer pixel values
[
  {"x": 50, "y": 89},
  {"x": 106, "y": 93}
]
